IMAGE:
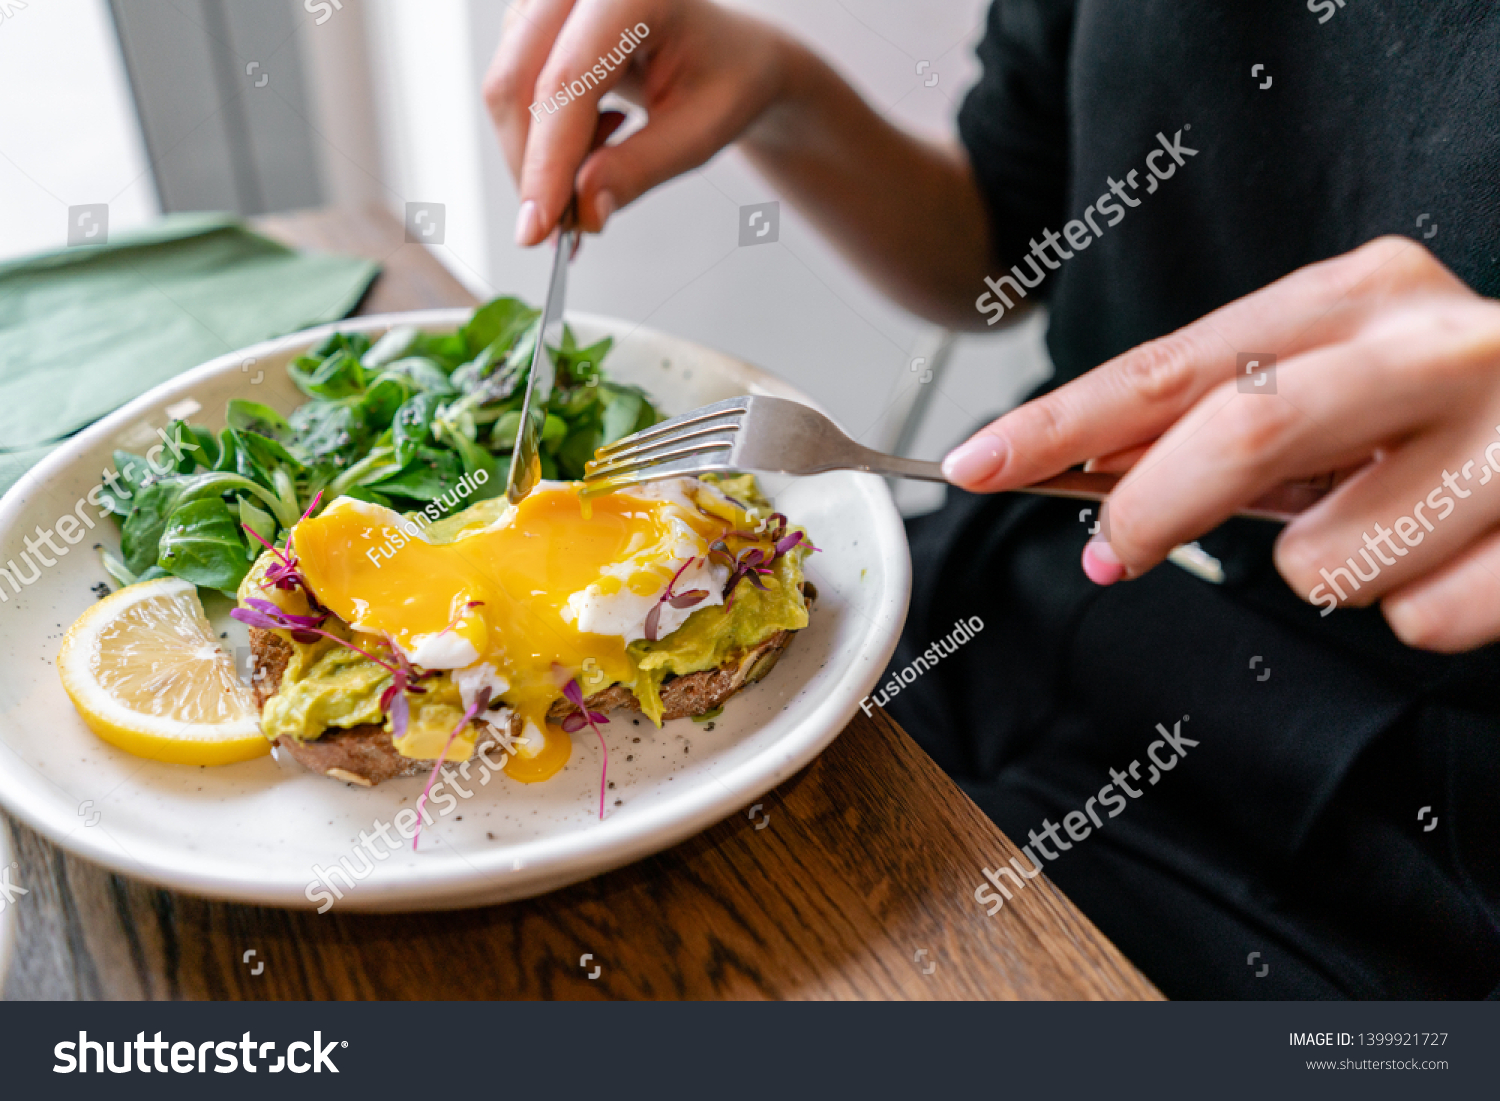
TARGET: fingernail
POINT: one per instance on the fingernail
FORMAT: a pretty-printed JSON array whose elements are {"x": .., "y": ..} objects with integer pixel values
[
  {"x": 974, "y": 460},
  {"x": 526, "y": 224},
  {"x": 604, "y": 206},
  {"x": 1101, "y": 563}
]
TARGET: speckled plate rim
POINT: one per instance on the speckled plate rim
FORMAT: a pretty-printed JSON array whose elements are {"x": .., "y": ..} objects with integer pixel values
[
  {"x": 542, "y": 864},
  {"x": 8, "y": 915}
]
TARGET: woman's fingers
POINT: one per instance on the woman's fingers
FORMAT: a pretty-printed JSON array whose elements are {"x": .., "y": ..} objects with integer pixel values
[
  {"x": 703, "y": 72},
  {"x": 686, "y": 129},
  {"x": 1455, "y": 608},
  {"x": 1137, "y": 396},
  {"x": 531, "y": 27},
  {"x": 595, "y": 211},
  {"x": 1112, "y": 408},
  {"x": 1333, "y": 407},
  {"x": 1397, "y": 519},
  {"x": 595, "y": 46}
]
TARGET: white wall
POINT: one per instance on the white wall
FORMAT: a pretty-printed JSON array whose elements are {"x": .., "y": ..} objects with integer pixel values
[
  {"x": 68, "y": 134},
  {"x": 432, "y": 120}
]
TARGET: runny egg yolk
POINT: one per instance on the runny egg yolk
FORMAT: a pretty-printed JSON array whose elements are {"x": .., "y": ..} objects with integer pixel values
[{"x": 498, "y": 595}]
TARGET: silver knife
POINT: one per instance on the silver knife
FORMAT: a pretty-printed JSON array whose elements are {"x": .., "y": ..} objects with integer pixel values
[{"x": 526, "y": 457}]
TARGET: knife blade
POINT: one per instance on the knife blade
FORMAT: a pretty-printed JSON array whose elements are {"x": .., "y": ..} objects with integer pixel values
[{"x": 526, "y": 456}]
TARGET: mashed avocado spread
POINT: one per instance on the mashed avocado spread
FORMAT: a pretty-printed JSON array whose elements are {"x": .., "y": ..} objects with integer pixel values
[{"x": 326, "y": 685}]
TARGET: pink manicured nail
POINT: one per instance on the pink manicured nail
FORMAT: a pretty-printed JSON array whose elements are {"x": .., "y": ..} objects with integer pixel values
[
  {"x": 526, "y": 224},
  {"x": 604, "y": 206},
  {"x": 974, "y": 460},
  {"x": 1101, "y": 564}
]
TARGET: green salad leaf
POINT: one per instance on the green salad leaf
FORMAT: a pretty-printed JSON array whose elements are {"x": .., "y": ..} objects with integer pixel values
[
  {"x": 204, "y": 543},
  {"x": 398, "y": 422}
]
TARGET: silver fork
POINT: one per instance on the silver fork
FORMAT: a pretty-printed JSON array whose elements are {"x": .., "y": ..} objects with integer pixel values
[{"x": 786, "y": 437}]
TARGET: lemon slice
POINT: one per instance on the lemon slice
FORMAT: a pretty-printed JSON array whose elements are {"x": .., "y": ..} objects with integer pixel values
[{"x": 147, "y": 674}]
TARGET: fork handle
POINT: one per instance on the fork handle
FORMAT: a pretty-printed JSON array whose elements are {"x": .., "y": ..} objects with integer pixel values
[
  {"x": 1070, "y": 483},
  {"x": 894, "y": 466},
  {"x": 1281, "y": 504}
]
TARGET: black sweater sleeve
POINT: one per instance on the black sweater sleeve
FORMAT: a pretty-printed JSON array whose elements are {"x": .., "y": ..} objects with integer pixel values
[{"x": 1014, "y": 122}]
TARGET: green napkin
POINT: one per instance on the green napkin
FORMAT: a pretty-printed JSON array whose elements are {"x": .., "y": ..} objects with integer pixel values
[{"x": 85, "y": 329}]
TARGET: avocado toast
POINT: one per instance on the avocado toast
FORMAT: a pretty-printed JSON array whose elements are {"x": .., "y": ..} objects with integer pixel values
[{"x": 381, "y": 648}]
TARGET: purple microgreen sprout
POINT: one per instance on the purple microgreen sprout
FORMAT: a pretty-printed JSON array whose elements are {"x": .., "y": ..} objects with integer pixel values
[
  {"x": 303, "y": 628},
  {"x": 268, "y": 617},
  {"x": 787, "y": 542},
  {"x": 481, "y": 701},
  {"x": 316, "y": 498},
  {"x": 749, "y": 565},
  {"x": 405, "y": 678},
  {"x": 677, "y": 600},
  {"x": 576, "y": 721},
  {"x": 307, "y": 628},
  {"x": 719, "y": 552},
  {"x": 453, "y": 623},
  {"x": 754, "y": 562},
  {"x": 393, "y": 702},
  {"x": 284, "y": 572}
]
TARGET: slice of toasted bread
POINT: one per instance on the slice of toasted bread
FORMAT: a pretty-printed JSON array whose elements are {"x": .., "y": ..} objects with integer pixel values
[
  {"x": 365, "y": 754},
  {"x": 361, "y": 754},
  {"x": 695, "y": 693}
]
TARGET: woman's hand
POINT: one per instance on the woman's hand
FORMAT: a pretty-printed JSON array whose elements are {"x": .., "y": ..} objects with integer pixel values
[
  {"x": 702, "y": 72},
  {"x": 1387, "y": 370},
  {"x": 905, "y": 210}
]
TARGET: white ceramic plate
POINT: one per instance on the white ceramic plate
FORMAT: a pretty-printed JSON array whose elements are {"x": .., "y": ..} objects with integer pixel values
[
  {"x": 258, "y": 832},
  {"x": 8, "y": 915}
]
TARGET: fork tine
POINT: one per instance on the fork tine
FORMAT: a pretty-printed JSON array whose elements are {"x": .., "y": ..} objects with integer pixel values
[
  {"x": 732, "y": 411},
  {"x": 725, "y": 433},
  {"x": 595, "y": 486},
  {"x": 632, "y": 464}
]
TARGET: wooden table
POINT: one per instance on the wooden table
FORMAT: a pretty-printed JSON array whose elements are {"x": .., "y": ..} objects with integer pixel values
[{"x": 859, "y": 885}]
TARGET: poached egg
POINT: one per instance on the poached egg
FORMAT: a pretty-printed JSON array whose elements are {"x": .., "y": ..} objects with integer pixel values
[{"x": 550, "y": 590}]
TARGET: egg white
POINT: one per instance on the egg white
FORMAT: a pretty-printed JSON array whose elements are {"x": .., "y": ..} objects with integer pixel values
[
  {"x": 623, "y": 613},
  {"x": 443, "y": 650}
]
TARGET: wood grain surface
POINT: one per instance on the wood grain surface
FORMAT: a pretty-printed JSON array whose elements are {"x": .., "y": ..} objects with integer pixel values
[{"x": 855, "y": 880}]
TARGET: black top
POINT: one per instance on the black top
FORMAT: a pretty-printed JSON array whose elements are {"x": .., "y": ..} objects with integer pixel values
[
  {"x": 1386, "y": 111},
  {"x": 1292, "y": 829}
]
